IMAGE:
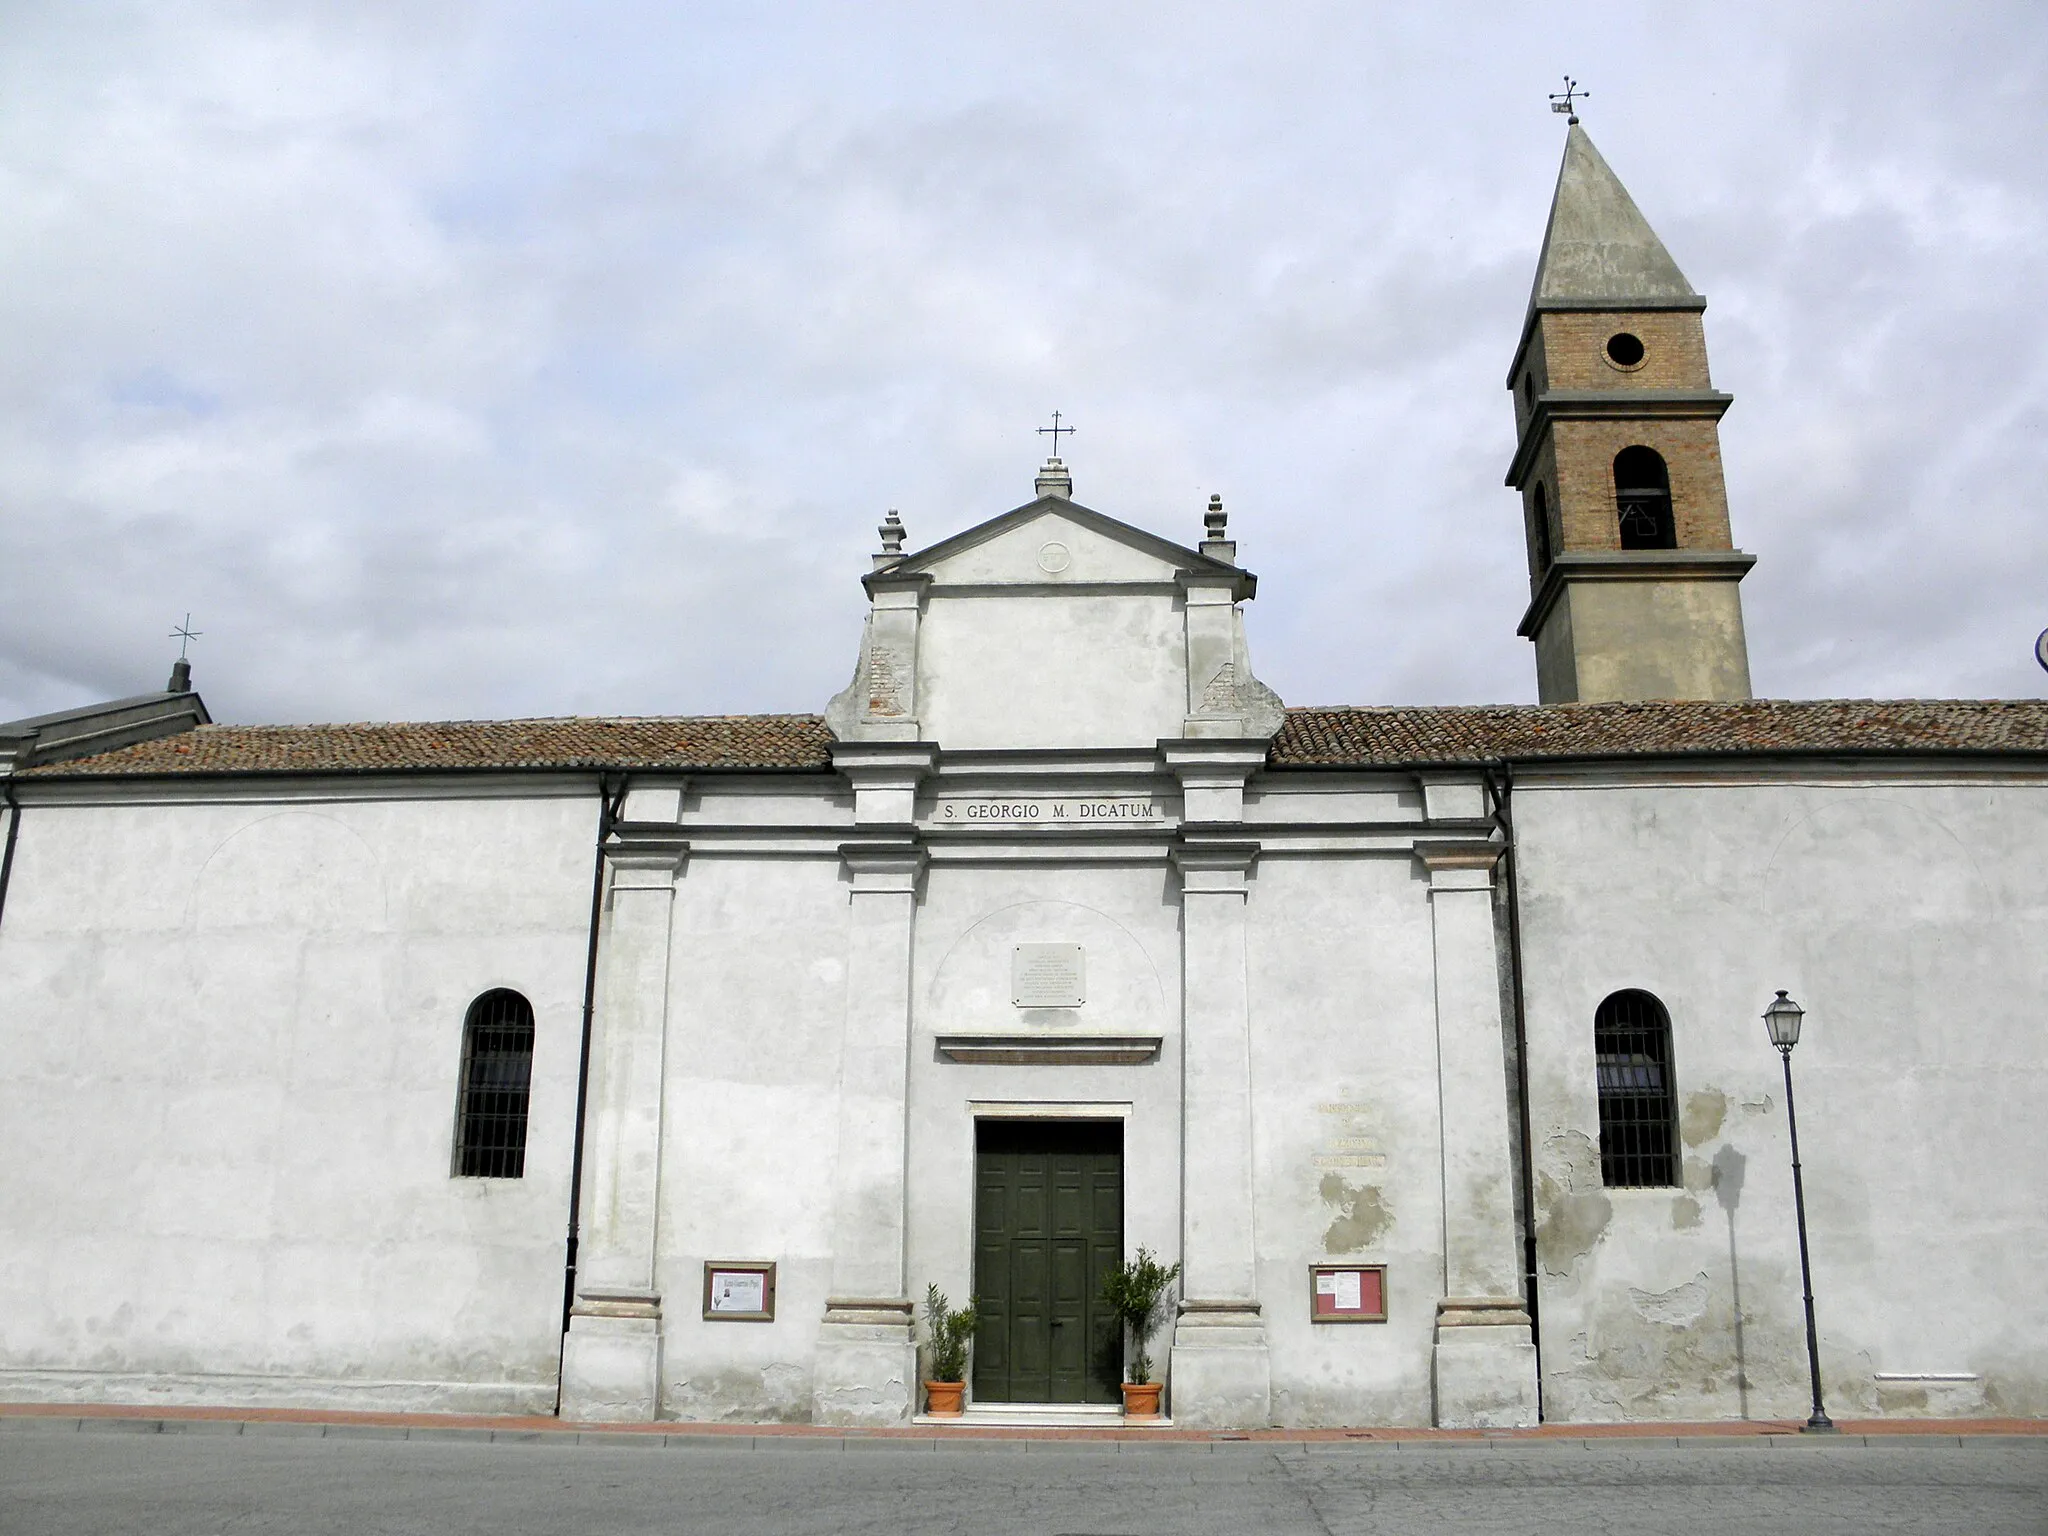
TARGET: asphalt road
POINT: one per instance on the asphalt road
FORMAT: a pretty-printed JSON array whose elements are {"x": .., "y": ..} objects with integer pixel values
[{"x": 54, "y": 1484}]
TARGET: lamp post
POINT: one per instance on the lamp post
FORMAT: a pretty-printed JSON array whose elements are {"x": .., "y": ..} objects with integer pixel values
[{"x": 1782, "y": 1019}]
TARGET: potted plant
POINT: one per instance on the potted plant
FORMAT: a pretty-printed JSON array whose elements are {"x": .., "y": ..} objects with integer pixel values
[
  {"x": 948, "y": 1330},
  {"x": 1134, "y": 1294}
]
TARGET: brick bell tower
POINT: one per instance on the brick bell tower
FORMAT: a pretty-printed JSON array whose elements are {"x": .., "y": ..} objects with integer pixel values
[{"x": 1632, "y": 571}]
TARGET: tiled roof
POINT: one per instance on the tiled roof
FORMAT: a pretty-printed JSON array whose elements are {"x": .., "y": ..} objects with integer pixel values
[
  {"x": 717, "y": 741},
  {"x": 1383, "y": 737},
  {"x": 1311, "y": 738}
]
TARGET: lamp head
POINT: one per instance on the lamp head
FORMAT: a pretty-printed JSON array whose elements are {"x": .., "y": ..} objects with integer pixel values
[{"x": 1782, "y": 1019}]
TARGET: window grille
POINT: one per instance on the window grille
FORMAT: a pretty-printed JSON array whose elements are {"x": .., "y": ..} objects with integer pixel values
[
  {"x": 1642, "y": 499},
  {"x": 497, "y": 1069},
  {"x": 1638, "y": 1104}
]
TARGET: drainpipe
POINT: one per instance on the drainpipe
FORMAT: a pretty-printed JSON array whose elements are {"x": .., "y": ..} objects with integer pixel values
[
  {"x": 611, "y": 803},
  {"x": 1502, "y": 795},
  {"x": 13, "y": 826}
]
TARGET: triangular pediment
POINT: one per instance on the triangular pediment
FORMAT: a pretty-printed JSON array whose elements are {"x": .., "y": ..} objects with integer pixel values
[
  {"x": 1054, "y": 627},
  {"x": 1055, "y": 541}
]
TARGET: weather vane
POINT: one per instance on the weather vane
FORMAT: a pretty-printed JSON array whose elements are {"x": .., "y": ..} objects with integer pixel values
[
  {"x": 1055, "y": 429},
  {"x": 1565, "y": 101},
  {"x": 185, "y": 634}
]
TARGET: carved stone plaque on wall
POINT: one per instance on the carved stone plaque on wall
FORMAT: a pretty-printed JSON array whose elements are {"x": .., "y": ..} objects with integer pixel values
[{"x": 1046, "y": 976}]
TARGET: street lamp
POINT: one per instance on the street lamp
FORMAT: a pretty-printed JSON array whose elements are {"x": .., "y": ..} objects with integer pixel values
[{"x": 1782, "y": 1019}]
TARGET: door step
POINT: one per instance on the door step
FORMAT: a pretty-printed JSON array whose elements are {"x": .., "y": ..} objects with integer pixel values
[{"x": 1042, "y": 1416}]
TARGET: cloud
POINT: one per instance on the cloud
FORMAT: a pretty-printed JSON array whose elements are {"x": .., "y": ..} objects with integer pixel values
[{"x": 510, "y": 360}]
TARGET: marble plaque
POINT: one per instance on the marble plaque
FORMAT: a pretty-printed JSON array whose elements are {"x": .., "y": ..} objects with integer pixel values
[{"x": 1046, "y": 976}]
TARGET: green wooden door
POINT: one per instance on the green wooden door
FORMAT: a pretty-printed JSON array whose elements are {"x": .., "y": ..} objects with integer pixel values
[{"x": 1048, "y": 1225}]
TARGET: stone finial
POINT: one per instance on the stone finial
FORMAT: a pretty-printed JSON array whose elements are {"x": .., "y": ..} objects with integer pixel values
[
  {"x": 1054, "y": 479},
  {"x": 1216, "y": 541},
  {"x": 181, "y": 677},
  {"x": 892, "y": 532}
]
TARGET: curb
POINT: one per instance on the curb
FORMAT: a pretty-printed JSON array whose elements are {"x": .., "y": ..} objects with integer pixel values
[{"x": 106, "y": 1419}]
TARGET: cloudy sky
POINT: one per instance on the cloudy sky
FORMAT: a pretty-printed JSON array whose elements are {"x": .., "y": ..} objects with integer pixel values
[{"x": 458, "y": 360}]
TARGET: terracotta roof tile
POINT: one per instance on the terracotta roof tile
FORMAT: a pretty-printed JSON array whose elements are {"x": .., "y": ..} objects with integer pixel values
[
  {"x": 710, "y": 742},
  {"x": 1312, "y": 738},
  {"x": 1383, "y": 737}
]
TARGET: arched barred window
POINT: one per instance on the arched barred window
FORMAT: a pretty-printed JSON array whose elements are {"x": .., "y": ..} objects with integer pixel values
[
  {"x": 1642, "y": 499},
  {"x": 497, "y": 1070},
  {"x": 1541, "y": 517},
  {"x": 1638, "y": 1101}
]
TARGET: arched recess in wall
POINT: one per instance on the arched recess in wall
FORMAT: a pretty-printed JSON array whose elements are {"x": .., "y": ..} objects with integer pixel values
[
  {"x": 1540, "y": 517},
  {"x": 1638, "y": 1100},
  {"x": 497, "y": 1076},
  {"x": 1642, "y": 500}
]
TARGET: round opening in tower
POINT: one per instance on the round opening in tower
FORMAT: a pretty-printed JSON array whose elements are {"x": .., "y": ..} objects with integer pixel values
[{"x": 1624, "y": 350}]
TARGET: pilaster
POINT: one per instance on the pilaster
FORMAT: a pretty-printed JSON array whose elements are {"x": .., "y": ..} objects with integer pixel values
[
  {"x": 866, "y": 1365},
  {"x": 884, "y": 776},
  {"x": 1485, "y": 1356},
  {"x": 611, "y": 1359},
  {"x": 1220, "y": 1368},
  {"x": 881, "y": 703},
  {"x": 1213, "y": 774}
]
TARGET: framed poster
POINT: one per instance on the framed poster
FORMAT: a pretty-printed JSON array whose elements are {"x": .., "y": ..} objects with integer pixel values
[
  {"x": 737, "y": 1291},
  {"x": 1347, "y": 1293}
]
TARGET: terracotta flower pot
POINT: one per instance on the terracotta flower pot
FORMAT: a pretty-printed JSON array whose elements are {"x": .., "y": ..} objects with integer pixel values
[
  {"x": 943, "y": 1398},
  {"x": 1141, "y": 1400}
]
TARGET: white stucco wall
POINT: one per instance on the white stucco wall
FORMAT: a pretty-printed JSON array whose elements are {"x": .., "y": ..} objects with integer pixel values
[
  {"x": 230, "y": 1037},
  {"x": 757, "y": 999},
  {"x": 1904, "y": 910},
  {"x": 1349, "y": 1168}
]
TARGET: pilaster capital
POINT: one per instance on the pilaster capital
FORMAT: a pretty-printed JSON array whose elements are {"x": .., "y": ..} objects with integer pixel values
[
  {"x": 1212, "y": 773},
  {"x": 1214, "y": 868},
  {"x": 645, "y": 858},
  {"x": 894, "y": 866},
  {"x": 892, "y": 586},
  {"x": 885, "y": 776},
  {"x": 885, "y": 762},
  {"x": 1220, "y": 759},
  {"x": 1465, "y": 864},
  {"x": 1222, "y": 586}
]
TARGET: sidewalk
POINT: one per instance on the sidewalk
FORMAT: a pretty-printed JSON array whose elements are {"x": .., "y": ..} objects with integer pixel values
[{"x": 120, "y": 1418}]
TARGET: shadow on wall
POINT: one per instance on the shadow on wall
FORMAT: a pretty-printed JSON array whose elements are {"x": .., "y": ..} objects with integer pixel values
[{"x": 1730, "y": 1167}]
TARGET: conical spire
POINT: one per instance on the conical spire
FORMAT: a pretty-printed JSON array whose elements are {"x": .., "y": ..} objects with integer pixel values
[{"x": 1599, "y": 249}]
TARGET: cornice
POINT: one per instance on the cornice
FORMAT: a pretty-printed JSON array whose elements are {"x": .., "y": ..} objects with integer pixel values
[
  {"x": 1610, "y": 404},
  {"x": 1630, "y": 565}
]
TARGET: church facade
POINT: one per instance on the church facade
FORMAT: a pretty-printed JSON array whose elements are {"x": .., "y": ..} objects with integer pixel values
[{"x": 653, "y": 1068}]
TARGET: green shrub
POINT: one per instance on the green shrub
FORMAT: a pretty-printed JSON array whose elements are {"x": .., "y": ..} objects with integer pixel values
[
  {"x": 948, "y": 1331},
  {"x": 1134, "y": 1293}
]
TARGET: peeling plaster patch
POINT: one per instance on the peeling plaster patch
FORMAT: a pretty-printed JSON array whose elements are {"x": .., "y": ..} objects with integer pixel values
[
  {"x": 774, "y": 1394},
  {"x": 1703, "y": 1115},
  {"x": 1568, "y": 1223},
  {"x": 1685, "y": 1212},
  {"x": 1362, "y": 1215},
  {"x": 1680, "y": 1307}
]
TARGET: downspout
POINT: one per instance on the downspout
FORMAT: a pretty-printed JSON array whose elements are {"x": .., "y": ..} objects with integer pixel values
[
  {"x": 611, "y": 802},
  {"x": 1502, "y": 795},
  {"x": 13, "y": 826}
]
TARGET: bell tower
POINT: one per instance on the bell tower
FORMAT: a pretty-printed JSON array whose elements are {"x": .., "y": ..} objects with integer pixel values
[{"x": 1633, "y": 574}]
